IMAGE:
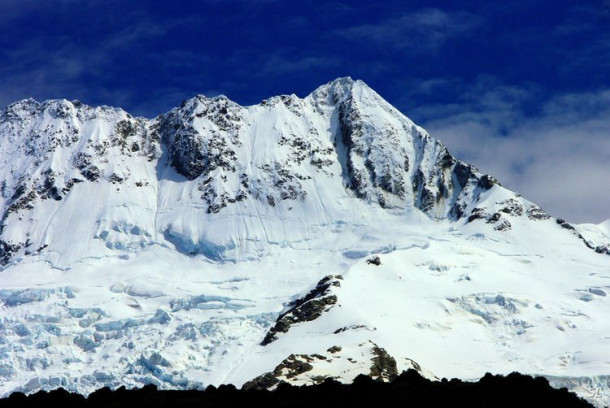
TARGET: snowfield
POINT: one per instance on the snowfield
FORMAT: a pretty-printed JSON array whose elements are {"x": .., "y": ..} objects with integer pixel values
[{"x": 292, "y": 240}]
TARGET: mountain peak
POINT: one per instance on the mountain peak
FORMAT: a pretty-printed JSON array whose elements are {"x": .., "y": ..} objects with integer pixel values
[
  {"x": 21, "y": 109},
  {"x": 283, "y": 157},
  {"x": 340, "y": 82},
  {"x": 165, "y": 251},
  {"x": 338, "y": 90}
]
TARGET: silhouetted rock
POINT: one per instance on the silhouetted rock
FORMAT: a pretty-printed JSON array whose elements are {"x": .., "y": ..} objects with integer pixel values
[{"x": 409, "y": 389}]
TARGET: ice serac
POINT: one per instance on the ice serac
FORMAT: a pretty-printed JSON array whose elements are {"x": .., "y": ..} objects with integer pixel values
[{"x": 292, "y": 240}]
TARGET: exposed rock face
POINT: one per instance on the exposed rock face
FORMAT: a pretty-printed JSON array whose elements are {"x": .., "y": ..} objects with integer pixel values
[
  {"x": 536, "y": 213},
  {"x": 195, "y": 150},
  {"x": 366, "y": 358},
  {"x": 375, "y": 260},
  {"x": 307, "y": 308},
  {"x": 384, "y": 365},
  {"x": 501, "y": 212},
  {"x": 603, "y": 248},
  {"x": 289, "y": 368}
]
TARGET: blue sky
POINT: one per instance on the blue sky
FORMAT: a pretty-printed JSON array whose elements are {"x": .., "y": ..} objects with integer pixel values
[{"x": 521, "y": 90}]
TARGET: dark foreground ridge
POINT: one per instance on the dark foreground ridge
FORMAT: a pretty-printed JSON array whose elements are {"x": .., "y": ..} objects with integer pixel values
[{"x": 408, "y": 390}]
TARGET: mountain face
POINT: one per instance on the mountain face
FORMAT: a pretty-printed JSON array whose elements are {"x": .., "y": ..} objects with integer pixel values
[
  {"x": 288, "y": 158},
  {"x": 291, "y": 240}
]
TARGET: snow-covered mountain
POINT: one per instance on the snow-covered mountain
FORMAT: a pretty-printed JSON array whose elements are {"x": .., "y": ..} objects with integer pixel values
[{"x": 291, "y": 240}]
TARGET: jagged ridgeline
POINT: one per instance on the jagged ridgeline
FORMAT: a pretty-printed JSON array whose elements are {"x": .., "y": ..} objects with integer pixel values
[{"x": 287, "y": 156}]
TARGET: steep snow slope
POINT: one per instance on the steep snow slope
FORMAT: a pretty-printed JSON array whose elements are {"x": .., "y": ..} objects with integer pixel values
[
  {"x": 213, "y": 177},
  {"x": 192, "y": 249},
  {"x": 73, "y": 178}
]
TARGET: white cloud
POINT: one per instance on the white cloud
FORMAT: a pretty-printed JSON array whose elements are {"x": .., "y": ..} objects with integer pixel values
[{"x": 423, "y": 30}]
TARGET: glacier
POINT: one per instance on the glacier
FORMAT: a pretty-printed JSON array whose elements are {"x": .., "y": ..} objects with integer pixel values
[{"x": 165, "y": 250}]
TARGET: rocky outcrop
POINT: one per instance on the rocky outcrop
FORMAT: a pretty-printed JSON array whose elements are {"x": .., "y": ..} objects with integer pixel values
[
  {"x": 366, "y": 358},
  {"x": 194, "y": 153},
  {"x": 289, "y": 368},
  {"x": 306, "y": 308},
  {"x": 374, "y": 260},
  {"x": 600, "y": 249},
  {"x": 384, "y": 366}
]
